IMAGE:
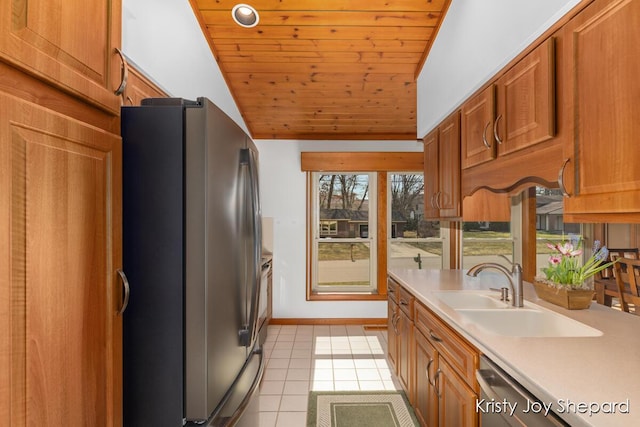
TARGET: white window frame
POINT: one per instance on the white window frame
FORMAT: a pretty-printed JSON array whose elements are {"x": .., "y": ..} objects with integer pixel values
[{"x": 371, "y": 239}]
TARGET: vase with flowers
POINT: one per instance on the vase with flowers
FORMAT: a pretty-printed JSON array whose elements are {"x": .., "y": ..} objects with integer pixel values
[{"x": 567, "y": 281}]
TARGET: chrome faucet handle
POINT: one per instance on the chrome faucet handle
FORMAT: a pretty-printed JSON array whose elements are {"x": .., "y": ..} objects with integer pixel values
[{"x": 504, "y": 293}]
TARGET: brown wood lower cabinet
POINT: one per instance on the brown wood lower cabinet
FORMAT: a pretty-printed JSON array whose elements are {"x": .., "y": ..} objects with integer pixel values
[
  {"x": 436, "y": 366},
  {"x": 456, "y": 399},
  {"x": 426, "y": 401},
  {"x": 400, "y": 336}
]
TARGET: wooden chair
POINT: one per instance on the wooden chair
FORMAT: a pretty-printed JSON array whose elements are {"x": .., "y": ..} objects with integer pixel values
[
  {"x": 627, "y": 272},
  {"x": 605, "y": 283}
]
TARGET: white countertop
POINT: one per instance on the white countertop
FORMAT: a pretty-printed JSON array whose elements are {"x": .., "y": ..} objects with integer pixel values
[{"x": 599, "y": 369}]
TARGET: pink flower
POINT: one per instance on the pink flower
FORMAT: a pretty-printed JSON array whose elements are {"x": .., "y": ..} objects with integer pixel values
[
  {"x": 566, "y": 248},
  {"x": 555, "y": 259}
]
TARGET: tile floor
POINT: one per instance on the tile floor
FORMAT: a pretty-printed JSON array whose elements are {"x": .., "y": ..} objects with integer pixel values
[{"x": 303, "y": 358}]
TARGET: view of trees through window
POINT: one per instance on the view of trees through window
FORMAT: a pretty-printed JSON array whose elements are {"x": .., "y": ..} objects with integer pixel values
[{"x": 413, "y": 241}]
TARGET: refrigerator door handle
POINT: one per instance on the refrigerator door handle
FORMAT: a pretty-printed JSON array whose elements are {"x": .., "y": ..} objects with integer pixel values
[{"x": 249, "y": 335}]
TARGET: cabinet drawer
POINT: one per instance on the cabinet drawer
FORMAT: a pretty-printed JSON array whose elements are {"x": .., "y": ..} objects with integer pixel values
[
  {"x": 460, "y": 354},
  {"x": 405, "y": 301},
  {"x": 392, "y": 289}
]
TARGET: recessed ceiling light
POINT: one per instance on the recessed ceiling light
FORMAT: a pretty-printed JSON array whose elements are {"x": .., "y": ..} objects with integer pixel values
[{"x": 245, "y": 15}]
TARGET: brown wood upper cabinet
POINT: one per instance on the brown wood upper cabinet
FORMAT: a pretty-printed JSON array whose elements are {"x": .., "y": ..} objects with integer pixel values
[
  {"x": 478, "y": 145},
  {"x": 602, "y": 89},
  {"x": 69, "y": 43},
  {"x": 515, "y": 112},
  {"x": 442, "y": 170}
]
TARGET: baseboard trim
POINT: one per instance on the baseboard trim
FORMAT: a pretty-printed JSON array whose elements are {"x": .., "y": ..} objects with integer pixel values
[{"x": 342, "y": 321}]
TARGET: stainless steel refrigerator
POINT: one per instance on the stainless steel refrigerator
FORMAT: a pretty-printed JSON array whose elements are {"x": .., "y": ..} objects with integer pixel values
[{"x": 192, "y": 256}]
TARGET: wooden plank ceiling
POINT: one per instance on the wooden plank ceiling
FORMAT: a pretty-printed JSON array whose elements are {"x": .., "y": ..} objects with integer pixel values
[{"x": 324, "y": 69}]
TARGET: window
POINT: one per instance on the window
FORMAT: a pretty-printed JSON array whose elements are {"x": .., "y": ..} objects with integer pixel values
[
  {"x": 412, "y": 241},
  {"x": 347, "y": 235},
  {"x": 328, "y": 228},
  {"x": 344, "y": 245},
  {"x": 487, "y": 241},
  {"x": 550, "y": 228}
]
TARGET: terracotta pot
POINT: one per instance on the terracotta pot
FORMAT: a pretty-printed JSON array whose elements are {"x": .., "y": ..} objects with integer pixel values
[{"x": 572, "y": 299}]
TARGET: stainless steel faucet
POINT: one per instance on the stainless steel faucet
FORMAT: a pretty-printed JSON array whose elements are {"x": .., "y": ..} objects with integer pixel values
[{"x": 514, "y": 276}]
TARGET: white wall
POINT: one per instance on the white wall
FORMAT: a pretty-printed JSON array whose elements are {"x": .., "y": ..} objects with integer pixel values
[
  {"x": 164, "y": 40},
  {"x": 476, "y": 40},
  {"x": 284, "y": 198}
]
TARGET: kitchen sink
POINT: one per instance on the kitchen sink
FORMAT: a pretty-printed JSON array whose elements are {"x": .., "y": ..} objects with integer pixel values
[
  {"x": 470, "y": 300},
  {"x": 489, "y": 313},
  {"x": 527, "y": 322}
]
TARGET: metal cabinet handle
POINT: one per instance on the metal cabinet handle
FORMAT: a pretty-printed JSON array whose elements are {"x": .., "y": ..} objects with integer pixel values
[
  {"x": 403, "y": 302},
  {"x": 434, "y": 336},
  {"x": 127, "y": 291},
  {"x": 395, "y": 323},
  {"x": 495, "y": 129},
  {"x": 484, "y": 135},
  {"x": 433, "y": 203},
  {"x": 437, "y": 199},
  {"x": 433, "y": 384},
  {"x": 563, "y": 189},
  {"x": 125, "y": 74}
]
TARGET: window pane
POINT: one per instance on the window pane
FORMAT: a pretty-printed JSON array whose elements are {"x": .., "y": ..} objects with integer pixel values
[
  {"x": 344, "y": 206},
  {"x": 344, "y": 242},
  {"x": 484, "y": 241},
  {"x": 343, "y": 264},
  {"x": 413, "y": 242},
  {"x": 550, "y": 228}
]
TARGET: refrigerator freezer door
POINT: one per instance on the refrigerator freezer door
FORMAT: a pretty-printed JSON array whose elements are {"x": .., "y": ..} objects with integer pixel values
[{"x": 216, "y": 294}]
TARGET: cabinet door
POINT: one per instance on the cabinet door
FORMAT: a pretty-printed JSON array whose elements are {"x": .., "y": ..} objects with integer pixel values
[
  {"x": 456, "y": 406},
  {"x": 405, "y": 340},
  {"x": 478, "y": 145},
  {"x": 425, "y": 399},
  {"x": 431, "y": 175},
  {"x": 392, "y": 334},
  {"x": 602, "y": 91},
  {"x": 526, "y": 101},
  {"x": 60, "y": 190},
  {"x": 70, "y": 43},
  {"x": 448, "y": 200}
]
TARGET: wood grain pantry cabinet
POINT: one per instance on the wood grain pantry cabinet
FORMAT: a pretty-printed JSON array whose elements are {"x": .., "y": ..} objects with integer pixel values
[
  {"x": 442, "y": 170},
  {"x": 514, "y": 112},
  {"x": 602, "y": 88},
  {"x": 61, "y": 208},
  {"x": 60, "y": 211}
]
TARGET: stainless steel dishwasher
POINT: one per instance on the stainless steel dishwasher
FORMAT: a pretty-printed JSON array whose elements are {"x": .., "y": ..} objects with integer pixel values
[{"x": 503, "y": 401}]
